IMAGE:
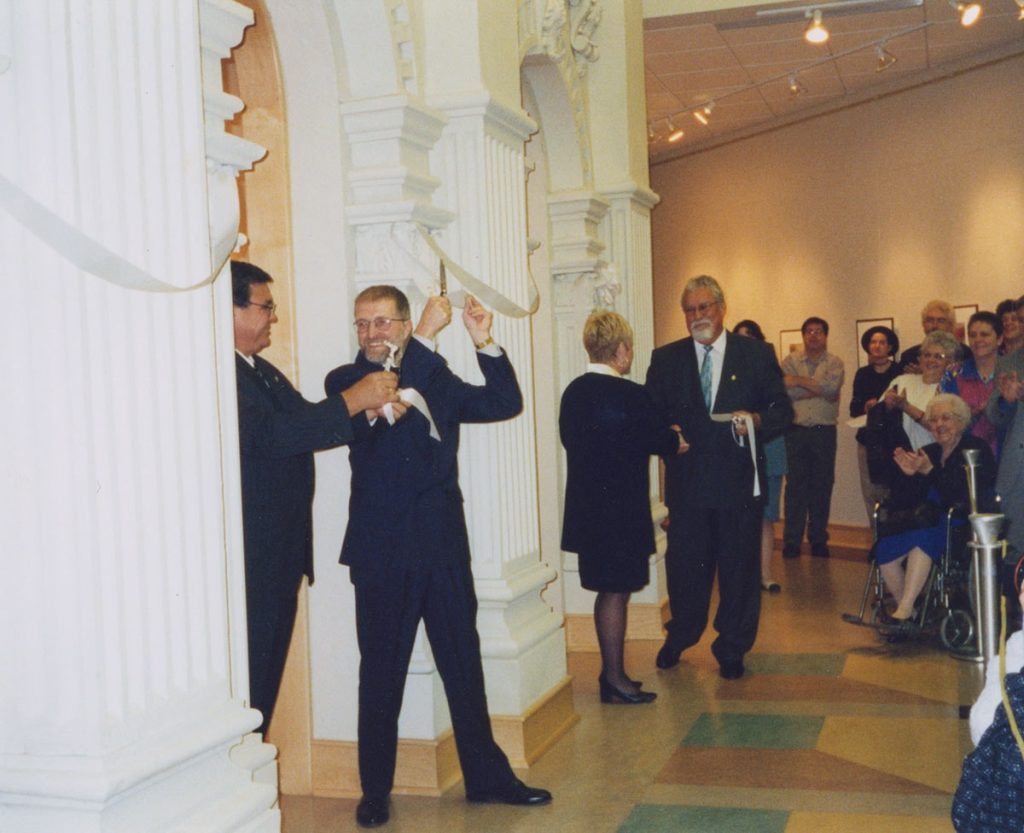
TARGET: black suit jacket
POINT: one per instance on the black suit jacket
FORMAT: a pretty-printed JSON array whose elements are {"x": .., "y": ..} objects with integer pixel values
[
  {"x": 278, "y": 431},
  {"x": 405, "y": 504},
  {"x": 609, "y": 429},
  {"x": 716, "y": 472}
]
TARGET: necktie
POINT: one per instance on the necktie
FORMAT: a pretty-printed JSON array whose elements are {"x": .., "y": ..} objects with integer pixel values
[{"x": 705, "y": 376}]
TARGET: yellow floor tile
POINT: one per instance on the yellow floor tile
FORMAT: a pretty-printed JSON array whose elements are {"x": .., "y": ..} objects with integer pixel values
[
  {"x": 832, "y": 823},
  {"x": 918, "y": 749}
]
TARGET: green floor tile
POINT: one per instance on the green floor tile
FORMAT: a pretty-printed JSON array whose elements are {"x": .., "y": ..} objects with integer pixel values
[
  {"x": 825, "y": 665},
  {"x": 666, "y": 818},
  {"x": 759, "y": 731}
]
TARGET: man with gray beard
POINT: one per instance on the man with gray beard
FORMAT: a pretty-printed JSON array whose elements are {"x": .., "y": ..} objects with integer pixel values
[{"x": 727, "y": 394}]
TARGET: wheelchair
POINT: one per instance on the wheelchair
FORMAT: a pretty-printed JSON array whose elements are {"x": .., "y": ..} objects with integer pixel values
[{"x": 944, "y": 606}]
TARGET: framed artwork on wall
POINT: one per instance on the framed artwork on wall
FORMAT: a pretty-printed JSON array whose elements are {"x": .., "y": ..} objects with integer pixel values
[
  {"x": 963, "y": 314},
  {"x": 789, "y": 340},
  {"x": 863, "y": 325}
]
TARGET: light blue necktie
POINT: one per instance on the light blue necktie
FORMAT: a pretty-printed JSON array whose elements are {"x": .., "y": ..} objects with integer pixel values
[{"x": 705, "y": 376}]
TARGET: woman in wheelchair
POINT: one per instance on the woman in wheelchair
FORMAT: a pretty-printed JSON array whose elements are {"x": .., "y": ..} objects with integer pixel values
[{"x": 912, "y": 527}]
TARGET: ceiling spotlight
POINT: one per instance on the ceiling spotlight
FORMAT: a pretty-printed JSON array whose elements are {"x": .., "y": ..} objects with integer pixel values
[
  {"x": 702, "y": 114},
  {"x": 885, "y": 58},
  {"x": 815, "y": 32},
  {"x": 969, "y": 12},
  {"x": 674, "y": 133},
  {"x": 795, "y": 87}
]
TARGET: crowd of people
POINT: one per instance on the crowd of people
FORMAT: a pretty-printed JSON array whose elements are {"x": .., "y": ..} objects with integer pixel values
[
  {"x": 916, "y": 414},
  {"x": 727, "y": 418}
]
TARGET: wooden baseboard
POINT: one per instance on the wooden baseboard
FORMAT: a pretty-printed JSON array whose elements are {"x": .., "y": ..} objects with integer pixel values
[
  {"x": 431, "y": 767},
  {"x": 646, "y": 621},
  {"x": 424, "y": 767},
  {"x": 524, "y": 739}
]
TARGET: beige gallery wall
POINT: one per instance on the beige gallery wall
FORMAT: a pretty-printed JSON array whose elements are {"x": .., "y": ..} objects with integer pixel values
[{"x": 865, "y": 213}]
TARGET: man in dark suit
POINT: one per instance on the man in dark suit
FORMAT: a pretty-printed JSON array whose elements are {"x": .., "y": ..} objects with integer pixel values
[
  {"x": 278, "y": 431},
  {"x": 407, "y": 546},
  {"x": 716, "y": 386}
]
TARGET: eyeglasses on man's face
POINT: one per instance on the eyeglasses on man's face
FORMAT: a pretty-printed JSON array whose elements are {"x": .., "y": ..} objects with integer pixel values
[
  {"x": 700, "y": 309},
  {"x": 362, "y": 325},
  {"x": 269, "y": 308}
]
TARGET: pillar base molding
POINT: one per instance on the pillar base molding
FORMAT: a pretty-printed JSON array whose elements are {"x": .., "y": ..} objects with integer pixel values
[{"x": 208, "y": 784}]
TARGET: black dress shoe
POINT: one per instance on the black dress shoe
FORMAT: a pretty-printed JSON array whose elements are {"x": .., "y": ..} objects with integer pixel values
[
  {"x": 731, "y": 670},
  {"x": 820, "y": 550},
  {"x": 611, "y": 694},
  {"x": 515, "y": 793},
  {"x": 372, "y": 812},
  {"x": 668, "y": 656}
]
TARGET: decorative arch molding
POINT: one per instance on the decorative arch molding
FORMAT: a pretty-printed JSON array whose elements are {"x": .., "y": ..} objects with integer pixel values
[
  {"x": 562, "y": 31},
  {"x": 378, "y": 41}
]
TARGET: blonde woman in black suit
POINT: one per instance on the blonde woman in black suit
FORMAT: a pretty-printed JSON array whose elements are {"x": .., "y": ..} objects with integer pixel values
[{"x": 609, "y": 429}]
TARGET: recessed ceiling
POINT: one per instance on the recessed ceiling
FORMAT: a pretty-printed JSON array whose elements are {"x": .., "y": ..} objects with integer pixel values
[{"x": 745, "y": 59}]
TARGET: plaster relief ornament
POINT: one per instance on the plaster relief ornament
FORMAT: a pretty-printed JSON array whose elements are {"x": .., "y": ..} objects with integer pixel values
[
  {"x": 552, "y": 35},
  {"x": 606, "y": 287},
  {"x": 586, "y": 18}
]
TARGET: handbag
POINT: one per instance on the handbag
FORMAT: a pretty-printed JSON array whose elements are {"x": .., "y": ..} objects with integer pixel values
[{"x": 923, "y": 515}]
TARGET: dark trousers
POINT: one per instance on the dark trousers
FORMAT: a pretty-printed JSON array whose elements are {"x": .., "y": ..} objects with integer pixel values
[
  {"x": 701, "y": 543},
  {"x": 811, "y": 471},
  {"x": 271, "y": 597},
  {"x": 389, "y": 608}
]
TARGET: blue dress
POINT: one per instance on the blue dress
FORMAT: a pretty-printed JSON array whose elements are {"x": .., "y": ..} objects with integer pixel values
[{"x": 945, "y": 486}]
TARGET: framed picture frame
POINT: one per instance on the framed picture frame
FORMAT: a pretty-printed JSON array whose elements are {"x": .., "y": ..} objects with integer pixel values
[
  {"x": 863, "y": 325},
  {"x": 790, "y": 340},
  {"x": 963, "y": 314}
]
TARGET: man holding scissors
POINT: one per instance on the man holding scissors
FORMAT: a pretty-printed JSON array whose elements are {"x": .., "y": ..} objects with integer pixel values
[{"x": 407, "y": 545}]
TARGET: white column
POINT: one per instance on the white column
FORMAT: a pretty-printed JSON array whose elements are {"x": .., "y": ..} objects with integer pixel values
[
  {"x": 117, "y": 711},
  {"x": 627, "y": 228},
  {"x": 480, "y": 162}
]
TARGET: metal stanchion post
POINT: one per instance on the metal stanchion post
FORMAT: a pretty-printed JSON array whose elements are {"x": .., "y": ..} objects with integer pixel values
[{"x": 986, "y": 554}]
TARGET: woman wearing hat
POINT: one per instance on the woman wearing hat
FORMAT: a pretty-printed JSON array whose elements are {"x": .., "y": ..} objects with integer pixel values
[{"x": 869, "y": 383}]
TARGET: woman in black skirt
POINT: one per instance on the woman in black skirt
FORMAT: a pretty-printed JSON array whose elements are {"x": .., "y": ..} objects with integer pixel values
[{"x": 609, "y": 431}]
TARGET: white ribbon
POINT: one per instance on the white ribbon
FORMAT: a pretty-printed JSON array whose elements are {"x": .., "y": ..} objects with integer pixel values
[
  {"x": 411, "y": 396},
  {"x": 88, "y": 254},
  {"x": 748, "y": 421},
  {"x": 490, "y": 296}
]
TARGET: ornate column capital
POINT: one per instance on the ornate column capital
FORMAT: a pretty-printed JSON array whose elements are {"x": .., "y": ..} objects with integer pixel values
[
  {"x": 641, "y": 195},
  {"x": 576, "y": 244},
  {"x": 390, "y": 139}
]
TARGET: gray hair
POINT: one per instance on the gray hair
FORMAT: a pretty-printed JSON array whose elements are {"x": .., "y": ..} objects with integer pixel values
[
  {"x": 961, "y": 410},
  {"x": 937, "y": 303},
  {"x": 703, "y": 282},
  {"x": 945, "y": 342}
]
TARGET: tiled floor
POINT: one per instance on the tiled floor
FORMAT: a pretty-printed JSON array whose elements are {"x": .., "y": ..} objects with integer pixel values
[{"x": 831, "y": 731}]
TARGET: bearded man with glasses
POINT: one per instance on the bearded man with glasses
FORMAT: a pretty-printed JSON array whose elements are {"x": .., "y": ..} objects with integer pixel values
[
  {"x": 406, "y": 544},
  {"x": 724, "y": 391}
]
